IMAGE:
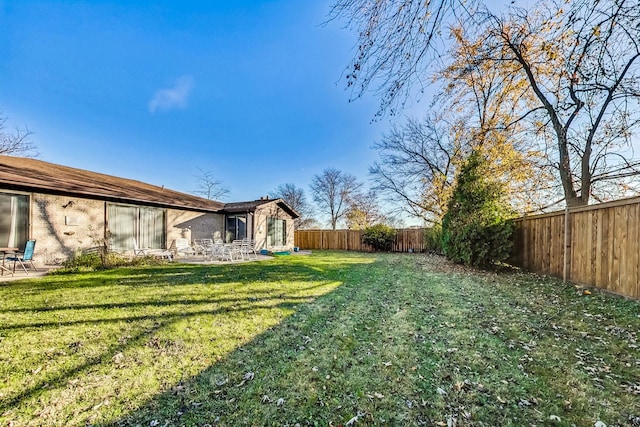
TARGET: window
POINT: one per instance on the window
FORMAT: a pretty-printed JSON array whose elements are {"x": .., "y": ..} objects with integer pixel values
[
  {"x": 276, "y": 232},
  {"x": 236, "y": 227},
  {"x": 14, "y": 220},
  {"x": 146, "y": 224}
]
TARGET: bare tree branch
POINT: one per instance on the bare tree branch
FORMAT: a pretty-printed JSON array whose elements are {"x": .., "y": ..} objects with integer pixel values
[
  {"x": 16, "y": 143},
  {"x": 209, "y": 187}
]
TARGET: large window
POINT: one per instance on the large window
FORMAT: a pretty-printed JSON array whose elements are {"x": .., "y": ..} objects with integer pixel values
[
  {"x": 276, "y": 232},
  {"x": 236, "y": 227},
  {"x": 14, "y": 220},
  {"x": 145, "y": 224}
]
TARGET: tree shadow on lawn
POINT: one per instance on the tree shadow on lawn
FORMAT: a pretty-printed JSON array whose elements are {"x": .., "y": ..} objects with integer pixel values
[
  {"x": 139, "y": 339},
  {"x": 310, "y": 368},
  {"x": 175, "y": 274},
  {"x": 319, "y": 366},
  {"x": 135, "y": 278},
  {"x": 170, "y": 309}
]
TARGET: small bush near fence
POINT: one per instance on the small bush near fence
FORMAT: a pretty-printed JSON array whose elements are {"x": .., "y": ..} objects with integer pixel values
[
  {"x": 475, "y": 229},
  {"x": 433, "y": 239},
  {"x": 380, "y": 237}
]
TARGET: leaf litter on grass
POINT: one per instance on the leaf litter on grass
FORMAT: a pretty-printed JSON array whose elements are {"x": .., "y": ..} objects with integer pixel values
[{"x": 398, "y": 340}]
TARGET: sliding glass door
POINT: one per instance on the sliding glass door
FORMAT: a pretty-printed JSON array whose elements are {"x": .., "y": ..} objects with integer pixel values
[
  {"x": 14, "y": 220},
  {"x": 145, "y": 224},
  {"x": 236, "y": 227},
  {"x": 276, "y": 232}
]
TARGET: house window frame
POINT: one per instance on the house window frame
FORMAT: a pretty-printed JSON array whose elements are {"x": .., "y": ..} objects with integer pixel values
[
  {"x": 20, "y": 239},
  {"x": 276, "y": 231},
  {"x": 120, "y": 243},
  {"x": 235, "y": 235}
]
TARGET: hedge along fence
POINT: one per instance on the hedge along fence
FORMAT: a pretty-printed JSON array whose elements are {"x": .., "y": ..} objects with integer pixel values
[
  {"x": 407, "y": 240},
  {"x": 602, "y": 246}
]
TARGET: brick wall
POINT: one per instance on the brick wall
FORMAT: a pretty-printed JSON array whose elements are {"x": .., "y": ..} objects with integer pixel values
[
  {"x": 274, "y": 211},
  {"x": 193, "y": 225},
  {"x": 63, "y": 225}
]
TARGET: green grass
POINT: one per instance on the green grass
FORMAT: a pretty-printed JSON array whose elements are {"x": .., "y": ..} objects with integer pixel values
[{"x": 315, "y": 340}]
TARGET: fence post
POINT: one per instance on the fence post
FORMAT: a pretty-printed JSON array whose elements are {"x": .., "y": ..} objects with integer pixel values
[{"x": 567, "y": 240}]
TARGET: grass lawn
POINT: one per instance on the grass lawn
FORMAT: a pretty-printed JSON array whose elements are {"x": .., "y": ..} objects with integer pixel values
[{"x": 328, "y": 339}]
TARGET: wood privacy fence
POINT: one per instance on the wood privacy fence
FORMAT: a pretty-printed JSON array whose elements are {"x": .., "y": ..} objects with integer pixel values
[
  {"x": 602, "y": 247},
  {"x": 408, "y": 239}
]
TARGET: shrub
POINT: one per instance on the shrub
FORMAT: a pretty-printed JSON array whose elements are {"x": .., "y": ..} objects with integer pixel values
[
  {"x": 380, "y": 237},
  {"x": 433, "y": 239},
  {"x": 475, "y": 229},
  {"x": 94, "y": 261}
]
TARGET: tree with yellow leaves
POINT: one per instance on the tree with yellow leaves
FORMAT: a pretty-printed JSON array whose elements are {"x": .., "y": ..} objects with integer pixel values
[{"x": 573, "y": 66}]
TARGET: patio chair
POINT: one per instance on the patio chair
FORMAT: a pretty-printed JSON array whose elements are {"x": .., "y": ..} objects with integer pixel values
[
  {"x": 249, "y": 247},
  {"x": 220, "y": 250},
  {"x": 160, "y": 253},
  {"x": 136, "y": 250},
  {"x": 236, "y": 249},
  {"x": 182, "y": 246},
  {"x": 206, "y": 247},
  {"x": 23, "y": 257}
]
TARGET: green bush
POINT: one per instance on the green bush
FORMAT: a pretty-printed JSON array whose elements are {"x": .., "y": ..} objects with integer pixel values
[
  {"x": 94, "y": 261},
  {"x": 380, "y": 237},
  {"x": 476, "y": 230},
  {"x": 433, "y": 239}
]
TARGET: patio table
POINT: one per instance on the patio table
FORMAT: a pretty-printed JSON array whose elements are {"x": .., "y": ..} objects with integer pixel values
[
  {"x": 4, "y": 252},
  {"x": 219, "y": 250}
]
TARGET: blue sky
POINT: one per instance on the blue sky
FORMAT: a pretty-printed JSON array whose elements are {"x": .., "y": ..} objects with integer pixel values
[{"x": 249, "y": 90}]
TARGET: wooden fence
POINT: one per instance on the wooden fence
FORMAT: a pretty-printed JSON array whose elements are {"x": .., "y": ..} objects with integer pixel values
[
  {"x": 602, "y": 245},
  {"x": 408, "y": 239}
]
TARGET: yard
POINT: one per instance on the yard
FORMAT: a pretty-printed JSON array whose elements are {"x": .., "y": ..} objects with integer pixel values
[{"x": 334, "y": 338}]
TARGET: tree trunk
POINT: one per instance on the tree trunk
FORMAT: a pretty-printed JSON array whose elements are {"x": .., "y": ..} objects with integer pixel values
[{"x": 570, "y": 195}]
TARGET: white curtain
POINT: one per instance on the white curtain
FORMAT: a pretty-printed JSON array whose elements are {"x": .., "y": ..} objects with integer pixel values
[
  {"x": 151, "y": 228},
  {"x": 122, "y": 225},
  {"x": 276, "y": 232},
  {"x": 146, "y": 225},
  {"x": 14, "y": 219}
]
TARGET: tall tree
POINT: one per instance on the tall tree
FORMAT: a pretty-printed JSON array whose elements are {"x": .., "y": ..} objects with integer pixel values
[
  {"x": 209, "y": 187},
  {"x": 296, "y": 198},
  {"x": 416, "y": 169},
  {"x": 17, "y": 142},
  {"x": 581, "y": 65},
  {"x": 332, "y": 191},
  {"x": 484, "y": 98},
  {"x": 579, "y": 61},
  {"x": 397, "y": 44}
]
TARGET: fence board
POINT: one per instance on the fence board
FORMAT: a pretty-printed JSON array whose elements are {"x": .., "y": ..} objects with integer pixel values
[
  {"x": 604, "y": 245},
  {"x": 408, "y": 239}
]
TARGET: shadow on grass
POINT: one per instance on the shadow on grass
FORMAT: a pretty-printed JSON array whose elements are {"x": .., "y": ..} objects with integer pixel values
[
  {"x": 383, "y": 350},
  {"x": 174, "y": 274},
  {"x": 61, "y": 377},
  {"x": 266, "y": 364},
  {"x": 178, "y": 306}
]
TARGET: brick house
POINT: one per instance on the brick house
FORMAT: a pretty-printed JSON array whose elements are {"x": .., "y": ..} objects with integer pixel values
[{"x": 67, "y": 209}]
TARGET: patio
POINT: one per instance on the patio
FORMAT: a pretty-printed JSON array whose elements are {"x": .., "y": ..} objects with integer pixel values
[{"x": 199, "y": 259}]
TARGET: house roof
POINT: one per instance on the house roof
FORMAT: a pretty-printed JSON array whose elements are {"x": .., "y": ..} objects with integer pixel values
[
  {"x": 25, "y": 174},
  {"x": 237, "y": 207}
]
